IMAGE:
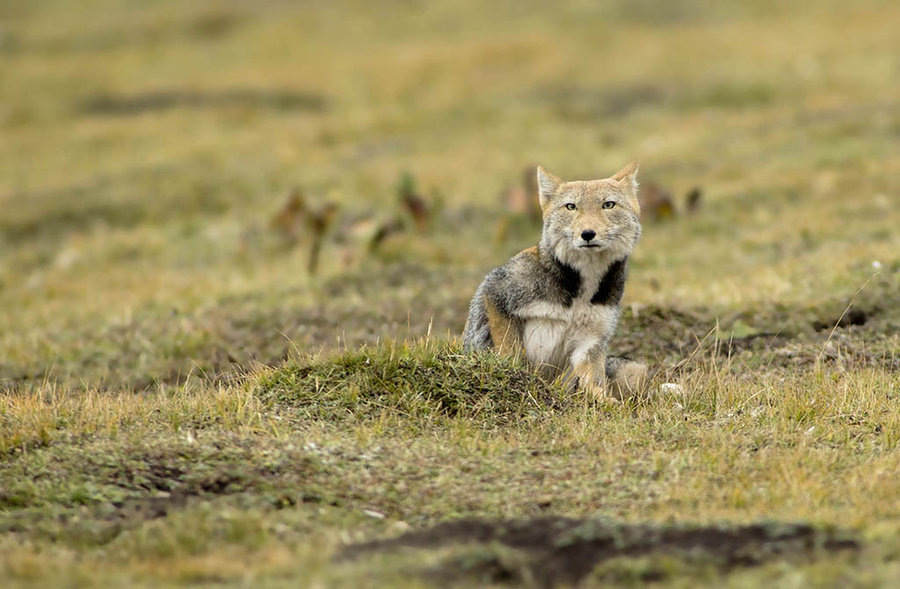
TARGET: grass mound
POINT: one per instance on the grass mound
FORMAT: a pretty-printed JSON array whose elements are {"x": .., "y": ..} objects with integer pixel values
[{"x": 422, "y": 380}]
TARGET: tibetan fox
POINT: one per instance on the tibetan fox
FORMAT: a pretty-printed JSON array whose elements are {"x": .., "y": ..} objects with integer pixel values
[{"x": 559, "y": 302}]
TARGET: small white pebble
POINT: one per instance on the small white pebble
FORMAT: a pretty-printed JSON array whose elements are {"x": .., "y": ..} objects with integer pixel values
[
  {"x": 669, "y": 388},
  {"x": 372, "y": 513}
]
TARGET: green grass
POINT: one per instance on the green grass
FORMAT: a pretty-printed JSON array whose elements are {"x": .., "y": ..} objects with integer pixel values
[
  {"x": 181, "y": 402},
  {"x": 185, "y": 479},
  {"x": 416, "y": 383}
]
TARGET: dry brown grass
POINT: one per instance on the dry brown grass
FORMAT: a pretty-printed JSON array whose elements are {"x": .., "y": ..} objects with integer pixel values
[{"x": 145, "y": 305}]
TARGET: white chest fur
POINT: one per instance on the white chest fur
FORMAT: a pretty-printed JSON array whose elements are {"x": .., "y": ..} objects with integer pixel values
[{"x": 559, "y": 336}]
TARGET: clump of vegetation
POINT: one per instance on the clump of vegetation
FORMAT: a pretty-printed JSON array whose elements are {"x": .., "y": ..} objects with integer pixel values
[{"x": 428, "y": 381}]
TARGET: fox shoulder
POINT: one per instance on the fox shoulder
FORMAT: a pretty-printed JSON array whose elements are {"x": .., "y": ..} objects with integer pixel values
[
  {"x": 527, "y": 279},
  {"x": 511, "y": 285}
]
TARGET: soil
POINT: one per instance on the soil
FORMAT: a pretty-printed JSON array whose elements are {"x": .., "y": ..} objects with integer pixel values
[{"x": 565, "y": 550}]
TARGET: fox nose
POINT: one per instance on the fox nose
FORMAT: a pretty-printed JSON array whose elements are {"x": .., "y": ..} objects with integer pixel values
[{"x": 588, "y": 234}]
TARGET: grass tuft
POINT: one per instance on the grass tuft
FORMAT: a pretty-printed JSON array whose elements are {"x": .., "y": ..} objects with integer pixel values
[{"x": 429, "y": 381}]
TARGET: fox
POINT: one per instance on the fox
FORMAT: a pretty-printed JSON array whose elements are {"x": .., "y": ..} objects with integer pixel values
[{"x": 559, "y": 302}]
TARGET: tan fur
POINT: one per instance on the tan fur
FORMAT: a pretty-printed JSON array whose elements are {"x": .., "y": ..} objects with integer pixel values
[
  {"x": 589, "y": 197},
  {"x": 559, "y": 302},
  {"x": 631, "y": 379},
  {"x": 591, "y": 375},
  {"x": 504, "y": 333},
  {"x": 530, "y": 251}
]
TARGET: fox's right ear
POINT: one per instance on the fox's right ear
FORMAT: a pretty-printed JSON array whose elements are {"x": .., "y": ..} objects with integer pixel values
[{"x": 547, "y": 185}]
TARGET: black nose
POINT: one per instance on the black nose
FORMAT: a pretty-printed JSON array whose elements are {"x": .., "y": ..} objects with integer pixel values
[{"x": 588, "y": 235}]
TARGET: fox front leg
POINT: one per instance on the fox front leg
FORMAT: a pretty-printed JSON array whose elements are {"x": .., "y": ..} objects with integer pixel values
[{"x": 589, "y": 368}]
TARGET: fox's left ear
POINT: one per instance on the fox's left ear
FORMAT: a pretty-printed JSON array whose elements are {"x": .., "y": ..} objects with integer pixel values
[{"x": 627, "y": 178}]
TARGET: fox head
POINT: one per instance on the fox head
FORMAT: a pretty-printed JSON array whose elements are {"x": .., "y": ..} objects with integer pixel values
[{"x": 587, "y": 223}]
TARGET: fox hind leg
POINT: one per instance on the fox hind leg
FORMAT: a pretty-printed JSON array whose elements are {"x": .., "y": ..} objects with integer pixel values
[
  {"x": 505, "y": 331},
  {"x": 626, "y": 378}
]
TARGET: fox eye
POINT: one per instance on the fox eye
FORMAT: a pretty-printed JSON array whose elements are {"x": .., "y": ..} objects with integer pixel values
[
  {"x": 609, "y": 204},
  {"x": 571, "y": 206}
]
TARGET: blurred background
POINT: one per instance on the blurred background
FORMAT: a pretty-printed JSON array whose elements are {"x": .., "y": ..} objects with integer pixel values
[{"x": 194, "y": 188}]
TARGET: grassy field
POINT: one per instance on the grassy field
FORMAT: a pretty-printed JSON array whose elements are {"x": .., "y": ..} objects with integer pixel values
[{"x": 182, "y": 401}]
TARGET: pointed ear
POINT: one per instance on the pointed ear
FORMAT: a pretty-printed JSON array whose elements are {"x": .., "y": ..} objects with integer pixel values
[
  {"x": 547, "y": 185},
  {"x": 627, "y": 178}
]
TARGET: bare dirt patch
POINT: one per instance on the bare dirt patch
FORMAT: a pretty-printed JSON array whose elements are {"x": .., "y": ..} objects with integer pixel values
[
  {"x": 565, "y": 550},
  {"x": 773, "y": 337},
  {"x": 278, "y": 100}
]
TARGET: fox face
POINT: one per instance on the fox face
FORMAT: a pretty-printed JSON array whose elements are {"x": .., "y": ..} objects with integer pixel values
[{"x": 590, "y": 223}]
